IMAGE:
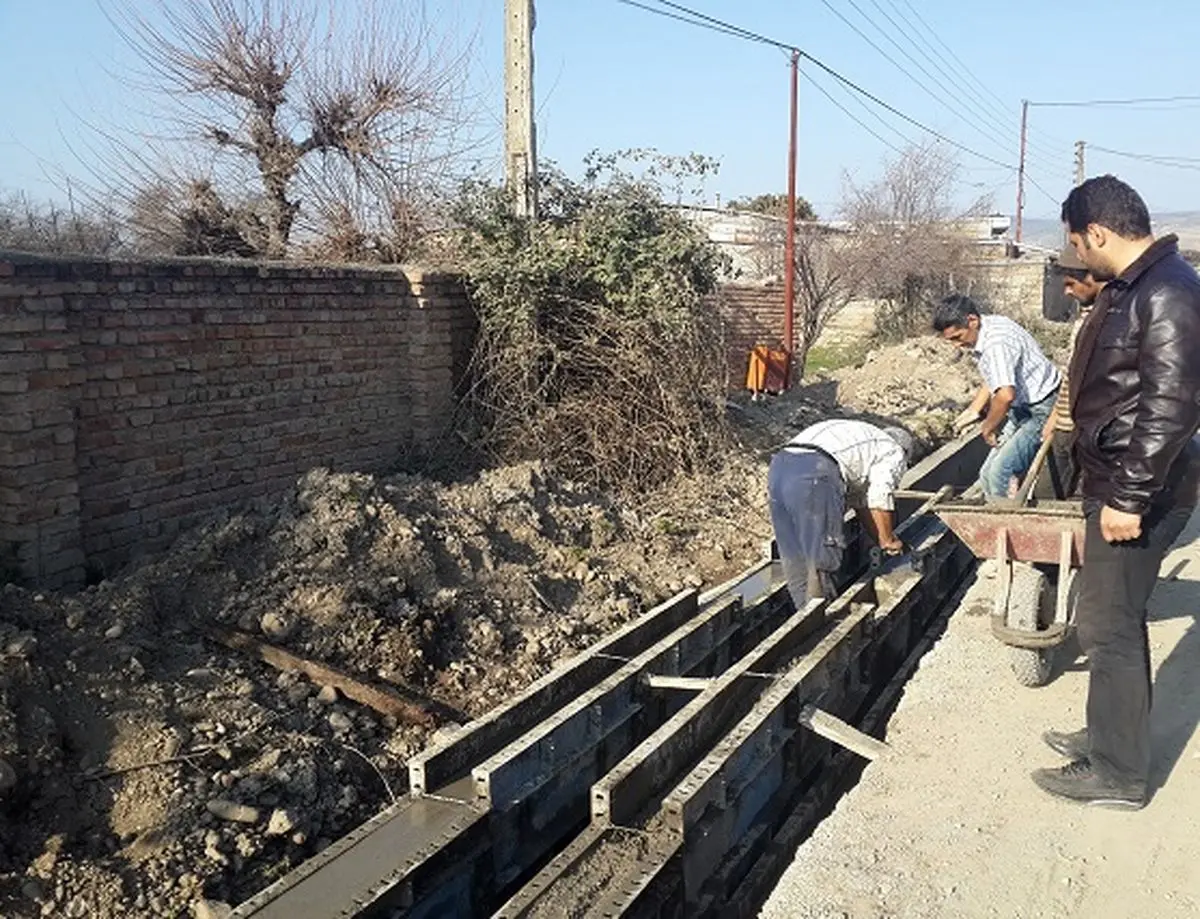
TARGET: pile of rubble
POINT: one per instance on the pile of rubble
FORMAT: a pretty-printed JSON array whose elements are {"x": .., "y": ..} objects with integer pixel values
[{"x": 159, "y": 767}]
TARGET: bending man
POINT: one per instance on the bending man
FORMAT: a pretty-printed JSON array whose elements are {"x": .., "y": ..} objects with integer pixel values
[{"x": 812, "y": 479}]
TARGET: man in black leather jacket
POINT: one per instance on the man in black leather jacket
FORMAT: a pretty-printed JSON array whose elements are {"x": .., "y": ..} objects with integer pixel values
[{"x": 1136, "y": 408}]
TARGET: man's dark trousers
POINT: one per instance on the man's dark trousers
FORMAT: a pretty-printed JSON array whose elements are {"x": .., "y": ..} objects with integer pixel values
[{"x": 1114, "y": 586}]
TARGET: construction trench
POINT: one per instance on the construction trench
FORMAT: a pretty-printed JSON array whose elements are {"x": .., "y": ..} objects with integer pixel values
[{"x": 670, "y": 770}]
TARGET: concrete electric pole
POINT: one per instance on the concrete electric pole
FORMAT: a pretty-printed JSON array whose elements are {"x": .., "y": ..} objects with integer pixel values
[
  {"x": 789, "y": 249},
  {"x": 1080, "y": 173},
  {"x": 520, "y": 147},
  {"x": 1021, "y": 170}
]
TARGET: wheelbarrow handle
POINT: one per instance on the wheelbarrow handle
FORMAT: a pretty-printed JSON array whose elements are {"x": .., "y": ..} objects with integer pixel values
[{"x": 1035, "y": 469}]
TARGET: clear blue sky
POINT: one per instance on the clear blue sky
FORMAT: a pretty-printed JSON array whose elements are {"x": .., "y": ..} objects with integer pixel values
[{"x": 610, "y": 76}]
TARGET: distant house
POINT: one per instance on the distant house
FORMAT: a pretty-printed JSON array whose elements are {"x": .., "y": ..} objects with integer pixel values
[{"x": 754, "y": 242}]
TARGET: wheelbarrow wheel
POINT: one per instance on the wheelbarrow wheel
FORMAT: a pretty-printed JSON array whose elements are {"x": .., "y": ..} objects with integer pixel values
[
  {"x": 1030, "y": 608},
  {"x": 1031, "y": 666}
]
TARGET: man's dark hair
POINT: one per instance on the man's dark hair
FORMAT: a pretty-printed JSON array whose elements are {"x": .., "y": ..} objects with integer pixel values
[
  {"x": 1109, "y": 202},
  {"x": 953, "y": 311}
]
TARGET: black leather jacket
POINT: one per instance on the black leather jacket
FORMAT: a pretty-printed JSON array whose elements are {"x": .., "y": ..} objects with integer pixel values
[{"x": 1136, "y": 404}]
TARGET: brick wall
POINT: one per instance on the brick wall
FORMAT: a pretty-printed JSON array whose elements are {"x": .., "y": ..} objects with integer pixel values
[
  {"x": 753, "y": 315},
  {"x": 137, "y": 397}
]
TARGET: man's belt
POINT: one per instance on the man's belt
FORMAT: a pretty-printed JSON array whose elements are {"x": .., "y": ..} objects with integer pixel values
[{"x": 815, "y": 449}]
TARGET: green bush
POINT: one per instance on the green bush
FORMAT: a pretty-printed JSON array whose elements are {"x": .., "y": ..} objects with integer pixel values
[{"x": 597, "y": 349}]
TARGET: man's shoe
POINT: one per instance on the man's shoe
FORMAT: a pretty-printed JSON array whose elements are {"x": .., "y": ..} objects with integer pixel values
[
  {"x": 1073, "y": 745},
  {"x": 1078, "y": 781}
]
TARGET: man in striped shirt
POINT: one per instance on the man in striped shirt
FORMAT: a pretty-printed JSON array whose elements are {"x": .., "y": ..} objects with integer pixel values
[
  {"x": 1020, "y": 386},
  {"x": 809, "y": 483},
  {"x": 1079, "y": 284}
]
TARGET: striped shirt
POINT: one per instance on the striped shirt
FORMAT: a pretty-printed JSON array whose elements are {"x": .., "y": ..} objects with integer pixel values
[
  {"x": 1062, "y": 407},
  {"x": 871, "y": 462},
  {"x": 1009, "y": 356}
]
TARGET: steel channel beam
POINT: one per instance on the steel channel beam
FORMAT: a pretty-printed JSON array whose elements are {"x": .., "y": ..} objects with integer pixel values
[
  {"x": 725, "y": 831},
  {"x": 652, "y": 871},
  {"x": 626, "y": 791},
  {"x": 370, "y": 865},
  {"x": 536, "y": 789},
  {"x": 728, "y": 819},
  {"x": 744, "y": 900},
  {"x": 425, "y": 854},
  {"x": 454, "y": 756},
  {"x": 432, "y": 856},
  {"x": 735, "y": 799},
  {"x": 614, "y": 864},
  {"x": 512, "y": 774}
]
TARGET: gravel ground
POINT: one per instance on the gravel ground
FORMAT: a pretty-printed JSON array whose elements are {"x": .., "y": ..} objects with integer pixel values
[{"x": 951, "y": 826}]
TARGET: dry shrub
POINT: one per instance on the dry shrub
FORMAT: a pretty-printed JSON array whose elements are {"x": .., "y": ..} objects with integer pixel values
[
  {"x": 597, "y": 351},
  {"x": 909, "y": 239}
]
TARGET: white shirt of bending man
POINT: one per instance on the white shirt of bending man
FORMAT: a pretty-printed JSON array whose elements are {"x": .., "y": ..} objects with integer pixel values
[{"x": 871, "y": 460}]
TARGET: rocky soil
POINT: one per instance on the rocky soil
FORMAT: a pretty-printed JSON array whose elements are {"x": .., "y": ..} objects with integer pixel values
[{"x": 160, "y": 773}]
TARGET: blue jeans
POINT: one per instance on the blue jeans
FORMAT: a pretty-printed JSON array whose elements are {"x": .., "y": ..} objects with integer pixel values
[
  {"x": 1018, "y": 445},
  {"x": 807, "y": 498}
]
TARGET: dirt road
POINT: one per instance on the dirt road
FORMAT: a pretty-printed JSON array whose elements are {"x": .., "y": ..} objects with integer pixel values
[{"x": 951, "y": 826}]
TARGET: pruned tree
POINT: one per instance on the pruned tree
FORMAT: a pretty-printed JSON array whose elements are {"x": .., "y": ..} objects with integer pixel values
[
  {"x": 287, "y": 120},
  {"x": 908, "y": 234}
]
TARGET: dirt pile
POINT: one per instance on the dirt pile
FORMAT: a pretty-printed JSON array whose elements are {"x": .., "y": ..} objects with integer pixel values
[
  {"x": 158, "y": 767},
  {"x": 922, "y": 383}
]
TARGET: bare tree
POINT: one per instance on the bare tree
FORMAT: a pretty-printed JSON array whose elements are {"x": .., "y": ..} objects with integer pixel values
[
  {"x": 286, "y": 119},
  {"x": 829, "y": 273},
  {"x": 909, "y": 235},
  {"x": 54, "y": 229}
]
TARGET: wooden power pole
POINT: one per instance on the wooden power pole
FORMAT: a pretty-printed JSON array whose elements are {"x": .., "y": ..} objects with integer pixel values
[{"x": 520, "y": 146}]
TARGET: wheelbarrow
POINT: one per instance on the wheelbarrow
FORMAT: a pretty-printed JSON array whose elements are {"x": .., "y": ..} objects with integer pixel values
[{"x": 1038, "y": 550}]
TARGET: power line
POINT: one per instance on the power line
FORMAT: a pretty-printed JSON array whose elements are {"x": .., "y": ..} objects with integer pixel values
[
  {"x": 911, "y": 34},
  {"x": 876, "y": 114},
  {"x": 993, "y": 106},
  {"x": 1177, "y": 162},
  {"x": 704, "y": 21},
  {"x": 1149, "y": 100},
  {"x": 966, "y": 112},
  {"x": 701, "y": 20},
  {"x": 722, "y": 29},
  {"x": 899, "y": 114},
  {"x": 888, "y": 57},
  {"x": 849, "y": 114},
  {"x": 714, "y": 23},
  {"x": 1030, "y": 179},
  {"x": 959, "y": 61}
]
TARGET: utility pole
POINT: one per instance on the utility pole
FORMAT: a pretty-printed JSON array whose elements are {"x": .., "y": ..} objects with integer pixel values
[
  {"x": 520, "y": 147},
  {"x": 789, "y": 249},
  {"x": 1080, "y": 173},
  {"x": 1021, "y": 169}
]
